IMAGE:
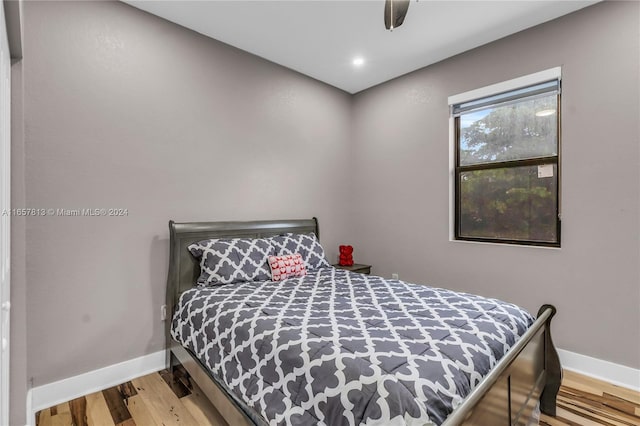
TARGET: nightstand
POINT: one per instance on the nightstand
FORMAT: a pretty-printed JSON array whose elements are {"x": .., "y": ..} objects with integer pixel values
[{"x": 356, "y": 267}]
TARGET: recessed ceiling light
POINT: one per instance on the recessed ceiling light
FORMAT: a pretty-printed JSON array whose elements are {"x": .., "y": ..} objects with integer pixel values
[
  {"x": 358, "y": 62},
  {"x": 545, "y": 112}
]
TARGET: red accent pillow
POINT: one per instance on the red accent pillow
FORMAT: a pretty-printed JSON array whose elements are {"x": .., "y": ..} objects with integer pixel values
[{"x": 287, "y": 266}]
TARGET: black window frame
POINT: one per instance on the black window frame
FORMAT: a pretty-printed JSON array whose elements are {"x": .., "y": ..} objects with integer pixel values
[{"x": 459, "y": 169}]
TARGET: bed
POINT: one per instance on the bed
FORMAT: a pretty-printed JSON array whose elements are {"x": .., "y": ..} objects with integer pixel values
[{"x": 263, "y": 351}]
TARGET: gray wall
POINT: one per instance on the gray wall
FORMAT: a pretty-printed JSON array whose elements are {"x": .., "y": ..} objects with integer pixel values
[
  {"x": 115, "y": 98},
  {"x": 401, "y": 180},
  {"x": 123, "y": 109}
]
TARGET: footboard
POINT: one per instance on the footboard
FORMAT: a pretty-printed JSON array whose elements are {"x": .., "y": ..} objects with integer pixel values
[{"x": 528, "y": 373}]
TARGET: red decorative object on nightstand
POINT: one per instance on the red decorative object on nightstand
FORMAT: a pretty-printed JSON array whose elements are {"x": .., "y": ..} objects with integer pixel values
[{"x": 346, "y": 256}]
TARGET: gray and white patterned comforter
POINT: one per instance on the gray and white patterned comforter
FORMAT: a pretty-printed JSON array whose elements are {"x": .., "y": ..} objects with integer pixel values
[{"x": 340, "y": 348}]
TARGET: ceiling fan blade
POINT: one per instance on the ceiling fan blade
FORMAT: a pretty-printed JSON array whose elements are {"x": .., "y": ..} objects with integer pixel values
[{"x": 394, "y": 13}]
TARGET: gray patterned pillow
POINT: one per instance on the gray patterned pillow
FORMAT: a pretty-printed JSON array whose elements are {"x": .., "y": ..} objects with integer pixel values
[
  {"x": 306, "y": 244},
  {"x": 230, "y": 260}
]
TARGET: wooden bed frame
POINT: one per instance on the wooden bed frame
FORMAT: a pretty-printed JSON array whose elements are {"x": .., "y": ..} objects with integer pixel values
[{"x": 528, "y": 373}]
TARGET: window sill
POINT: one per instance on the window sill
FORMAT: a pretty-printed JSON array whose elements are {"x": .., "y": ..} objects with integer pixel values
[{"x": 492, "y": 243}]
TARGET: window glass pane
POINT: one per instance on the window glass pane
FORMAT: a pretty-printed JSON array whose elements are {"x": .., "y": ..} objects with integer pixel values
[
  {"x": 516, "y": 131},
  {"x": 509, "y": 203}
]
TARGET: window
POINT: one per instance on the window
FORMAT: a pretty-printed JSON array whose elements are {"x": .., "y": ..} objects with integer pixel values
[{"x": 506, "y": 164}]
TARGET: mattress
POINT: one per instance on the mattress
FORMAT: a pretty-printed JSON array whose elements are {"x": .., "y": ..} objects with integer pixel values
[{"x": 342, "y": 348}]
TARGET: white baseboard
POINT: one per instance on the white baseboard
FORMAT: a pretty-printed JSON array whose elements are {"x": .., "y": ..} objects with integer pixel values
[
  {"x": 51, "y": 394},
  {"x": 617, "y": 374}
]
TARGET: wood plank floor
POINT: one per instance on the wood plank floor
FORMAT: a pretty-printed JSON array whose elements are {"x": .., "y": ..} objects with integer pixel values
[
  {"x": 163, "y": 399},
  {"x": 158, "y": 399},
  {"x": 584, "y": 401}
]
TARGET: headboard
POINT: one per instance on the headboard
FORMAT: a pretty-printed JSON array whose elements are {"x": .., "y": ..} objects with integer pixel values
[{"x": 184, "y": 269}]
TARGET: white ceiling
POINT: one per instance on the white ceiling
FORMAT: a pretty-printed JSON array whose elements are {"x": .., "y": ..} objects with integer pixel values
[{"x": 321, "y": 38}]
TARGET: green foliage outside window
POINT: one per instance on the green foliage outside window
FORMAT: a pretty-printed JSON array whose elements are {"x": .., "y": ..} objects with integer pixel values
[{"x": 507, "y": 174}]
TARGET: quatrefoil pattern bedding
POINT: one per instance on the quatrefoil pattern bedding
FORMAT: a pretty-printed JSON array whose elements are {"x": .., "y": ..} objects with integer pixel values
[
  {"x": 307, "y": 245},
  {"x": 230, "y": 260},
  {"x": 339, "y": 348}
]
